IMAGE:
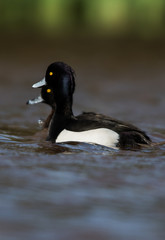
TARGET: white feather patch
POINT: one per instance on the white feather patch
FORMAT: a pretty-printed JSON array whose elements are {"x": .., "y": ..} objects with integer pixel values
[{"x": 101, "y": 136}]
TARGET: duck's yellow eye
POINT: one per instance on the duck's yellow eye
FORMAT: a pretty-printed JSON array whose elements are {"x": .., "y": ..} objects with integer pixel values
[
  {"x": 51, "y": 73},
  {"x": 48, "y": 90}
]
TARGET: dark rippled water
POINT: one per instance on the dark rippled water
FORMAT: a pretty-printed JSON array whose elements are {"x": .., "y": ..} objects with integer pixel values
[{"x": 82, "y": 191}]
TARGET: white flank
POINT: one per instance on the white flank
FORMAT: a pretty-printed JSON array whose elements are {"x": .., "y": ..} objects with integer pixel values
[
  {"x": 101, "y": 136},
  {"x": 39, "y": 84}
]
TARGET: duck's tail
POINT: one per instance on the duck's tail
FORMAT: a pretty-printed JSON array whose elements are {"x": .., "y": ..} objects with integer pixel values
[
  {"x": 151, "y": 145},
  {"x": 158, "y": 144}
]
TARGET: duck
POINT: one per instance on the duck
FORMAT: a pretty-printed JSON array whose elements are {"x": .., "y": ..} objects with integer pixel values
[
  {"x": 46, "y": 97},
  {"x": 57, "y": 89}
]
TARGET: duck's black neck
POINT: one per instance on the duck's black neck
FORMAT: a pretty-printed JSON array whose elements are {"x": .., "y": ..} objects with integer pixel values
[
  {"x": 60, "y": 118},
  {"x": 63, "y": 95},
  {"x": 64, "y": 107}
]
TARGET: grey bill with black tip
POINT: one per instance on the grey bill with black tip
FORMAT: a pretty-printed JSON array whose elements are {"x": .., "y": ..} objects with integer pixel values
[
  {"x": 39, "y": 84},
  {"x": 36, "y": 100}
]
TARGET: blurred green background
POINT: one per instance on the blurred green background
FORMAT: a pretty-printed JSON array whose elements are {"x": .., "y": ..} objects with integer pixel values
[{"x": 114, "y": 18}]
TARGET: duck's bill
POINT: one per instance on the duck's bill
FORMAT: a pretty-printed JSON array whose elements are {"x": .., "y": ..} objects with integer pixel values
[
  {"x": 39, "y": 99},
  {"x": 39, "y": 84}
]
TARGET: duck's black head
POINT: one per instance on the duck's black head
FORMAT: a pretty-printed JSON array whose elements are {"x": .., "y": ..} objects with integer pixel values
[
  {"x": 60, "y": 77},
  {"x": 47, "y": 96}
]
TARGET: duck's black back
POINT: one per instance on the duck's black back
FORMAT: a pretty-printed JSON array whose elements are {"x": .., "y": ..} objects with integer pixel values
[{"x": 129, "y": 135}]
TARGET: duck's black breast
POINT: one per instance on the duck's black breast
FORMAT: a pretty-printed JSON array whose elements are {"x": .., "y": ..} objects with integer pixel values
[{"x": 129, "y": 135}]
